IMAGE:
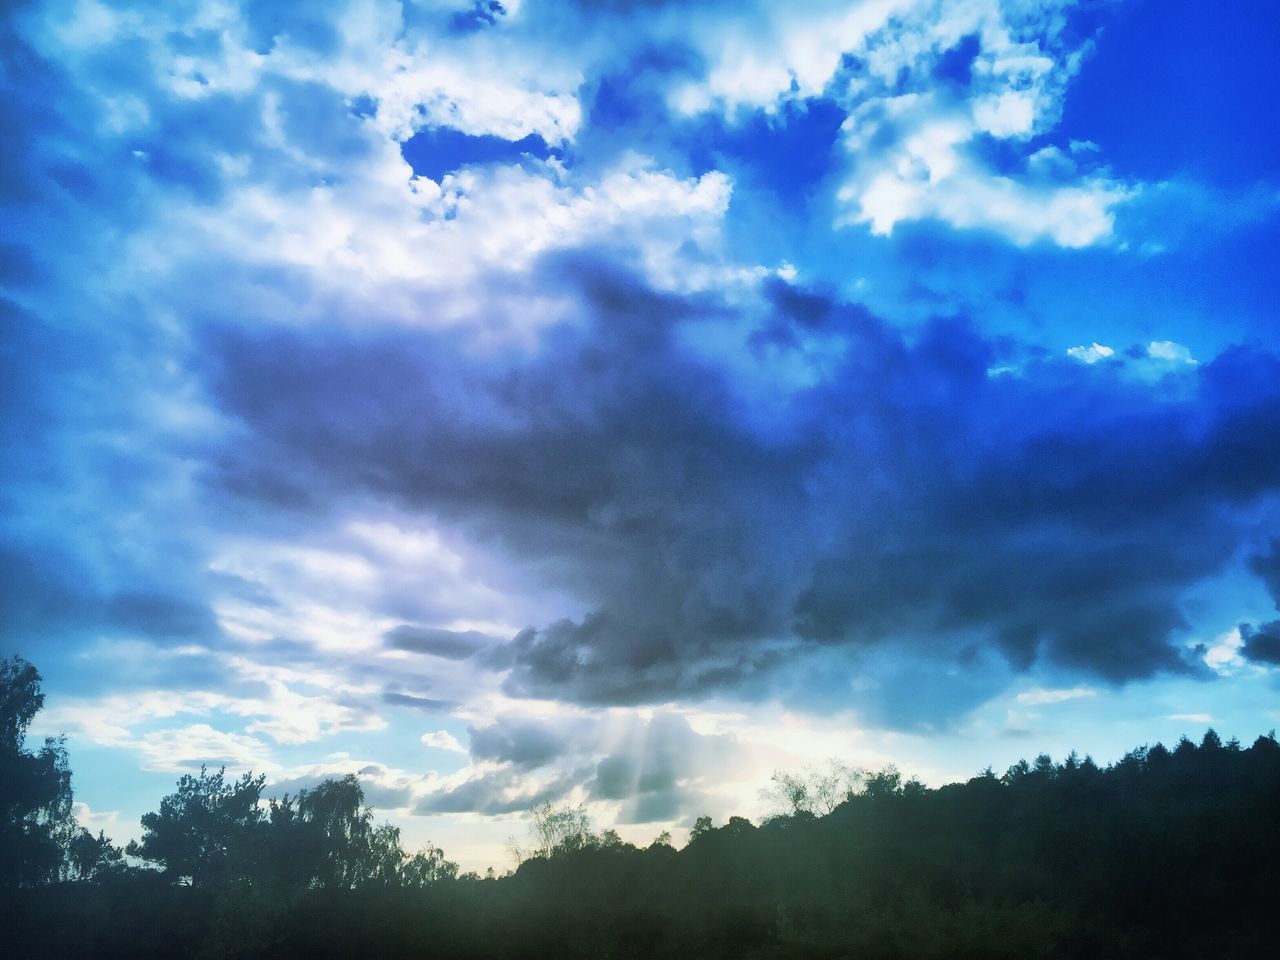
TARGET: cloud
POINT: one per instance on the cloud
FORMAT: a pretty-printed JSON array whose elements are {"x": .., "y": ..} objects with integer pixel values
[
  {"x": 1055, "y": 516},
  {"x": 1090, "y": 354},
  {"x": 495, "y": 792},
  {"x": 527, "y": 744},
  {"x": 938, "y": 98},
  {"x": 664, "y": 771},
  {"x": 449, "y": 644},
  {"x": 187, "y": 749},
  {"x": 430, "y": 704},
  {"x": 1169, "y": 351},
  {"x": 242, "y": 702},
  {"x": 385, "y": 788},
  {"x": 1261, "y": 643},
  {"x": 1040, "y": 697},
  {"x": 547, "y": 424},
  {"x": 442, "y": 740},
  {"x": 1266, "y": 566},
  {"x": 627, "y": 767}
]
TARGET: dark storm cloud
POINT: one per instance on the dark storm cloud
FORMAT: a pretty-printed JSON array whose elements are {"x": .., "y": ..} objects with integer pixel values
[
  {"x": 909, "y": 496},
  {"x": 609, "y": 660},
  {"x": 1266, "y": 566},
  {"x": 1261, "y": 643},
  {"x": 46, "y": 590}
]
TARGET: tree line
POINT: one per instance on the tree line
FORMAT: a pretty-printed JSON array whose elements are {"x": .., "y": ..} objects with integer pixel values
[{"x": 1165, "y": 853}]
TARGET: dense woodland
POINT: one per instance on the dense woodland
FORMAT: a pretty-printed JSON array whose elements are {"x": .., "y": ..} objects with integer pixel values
[{"x": 1166, "y": 853}]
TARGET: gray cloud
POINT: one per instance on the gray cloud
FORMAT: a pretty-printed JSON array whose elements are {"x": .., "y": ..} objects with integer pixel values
[
  {"x": 1266, "y": 566},
  {"x": 1261, "y": 643},
  {"x": 909, "y": 496},
  {"x": 651, "y": 768},
  {"x": 449, "y": 644},
  {"x": 711, "y": 533},
  {"x": 526, "y": 743},
  {"x": 429, "y": 704},
  {"x": 496, "y": 792},
  {"x": 659, "y": 772}
]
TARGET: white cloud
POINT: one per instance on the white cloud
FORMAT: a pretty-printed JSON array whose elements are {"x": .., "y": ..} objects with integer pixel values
[
  {"x": 1090, "y": 354},
  {"x": 255, "y": 697},
  {"x": 1171, "y": 352},
  {"x": 757, "y": 63},
  {"x": 1223, "y": 655},
  {"x": 1009, "y": 114},
  {"x": 381, "y": 242},
  {"x": 912, "y": 155},
  {"x": 108, "y": 821},
  {"x": 1040, "y": 696},
  {"x": 187, "y": 749},
  {"x": 442, "y": 740},
  {"x": 290, "y": 717},
  {"x": 432, "y": 92},
  {"x": 1191, "y": 717},
  {"x": 928, "y": 169}
]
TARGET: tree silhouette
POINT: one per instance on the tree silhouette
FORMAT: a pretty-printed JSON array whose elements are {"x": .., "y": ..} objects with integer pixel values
[
  {"x": 40, "y": 840},
  {"x": 325, "y": 837},
  {"x": 815, "y": 790},
  {"x": 556, "y": 831},
  {"x": 204, "y": 831}
]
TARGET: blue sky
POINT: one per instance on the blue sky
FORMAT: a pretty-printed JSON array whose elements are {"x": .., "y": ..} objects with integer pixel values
[{"x": 612, "y": 402}]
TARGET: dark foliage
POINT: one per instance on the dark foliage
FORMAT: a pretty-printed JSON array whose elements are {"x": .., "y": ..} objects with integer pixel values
[
  {"x": 40, "y": 840},
  {"x": 1166, "y": 853}
]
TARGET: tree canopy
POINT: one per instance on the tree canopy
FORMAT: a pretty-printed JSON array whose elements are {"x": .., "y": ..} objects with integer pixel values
[{"x": 40, "y": 840}]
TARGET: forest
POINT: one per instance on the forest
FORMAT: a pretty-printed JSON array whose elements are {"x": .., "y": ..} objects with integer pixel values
[{"x": 1169, "y": 852}]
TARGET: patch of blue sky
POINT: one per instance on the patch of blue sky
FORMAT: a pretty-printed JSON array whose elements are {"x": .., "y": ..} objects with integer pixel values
[
  {"x": 788, "y": 153},
  {"x": 1179, "y": 89},
  {"x": 436, "y": 152},
  {"x": 481, "y": 15},
  {"x": 112, "y": 779}
]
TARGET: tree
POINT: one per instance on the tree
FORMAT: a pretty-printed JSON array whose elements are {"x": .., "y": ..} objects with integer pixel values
[
  {"x": 205, "y": 830},
  {"x": 556, "y": 831},
  {"x": 40, "y": 840},
  {"x": 701, "y": 827},
  {"x": 815, "y": 790},
  {"x": 427, "y": 867},
  {"x": 325, "y": 837},
  {"x": 215, "y": 830},
  {"x": 886, "y": 783}
]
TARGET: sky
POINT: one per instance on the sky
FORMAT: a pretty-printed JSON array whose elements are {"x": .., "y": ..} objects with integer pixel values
[{"x": 612, "y": 402}]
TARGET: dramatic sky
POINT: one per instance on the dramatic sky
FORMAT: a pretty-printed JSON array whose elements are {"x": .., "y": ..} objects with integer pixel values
[{"x": 613, "y": 401}]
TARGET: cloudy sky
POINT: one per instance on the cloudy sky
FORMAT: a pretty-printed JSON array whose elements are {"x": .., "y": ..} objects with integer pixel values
[{"x": 613, "y": 401}]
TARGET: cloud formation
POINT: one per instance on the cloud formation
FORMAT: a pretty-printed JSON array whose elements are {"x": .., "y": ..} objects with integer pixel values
[
  {"x": 1056, "y": 515},
  {"x": 649, "y": 770},
  {"x": 384, "y": 373}
]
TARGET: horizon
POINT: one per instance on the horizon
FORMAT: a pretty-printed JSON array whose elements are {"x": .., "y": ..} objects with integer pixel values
[{"x": 615, "y": 403}]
